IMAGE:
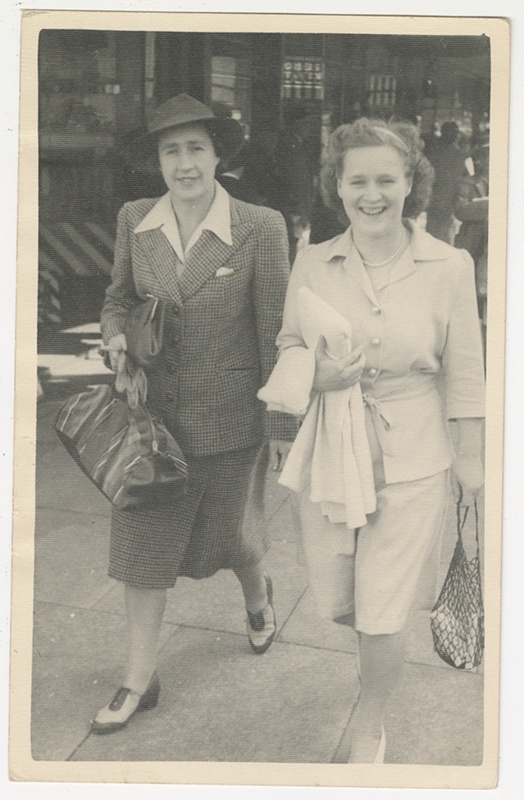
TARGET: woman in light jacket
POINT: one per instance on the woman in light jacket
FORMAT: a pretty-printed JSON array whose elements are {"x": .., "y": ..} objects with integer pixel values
[
  {"x": 410, "y": 300},
  {"x": 222, "y": 266}
]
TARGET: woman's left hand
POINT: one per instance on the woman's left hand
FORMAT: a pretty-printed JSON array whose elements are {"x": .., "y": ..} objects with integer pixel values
[
  {"x": 467, "y": 478},
  {"x": 278, "y": 453}
]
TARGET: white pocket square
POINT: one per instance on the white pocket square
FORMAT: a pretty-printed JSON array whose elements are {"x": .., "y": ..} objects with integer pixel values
[{"x": 223, "y": 271}]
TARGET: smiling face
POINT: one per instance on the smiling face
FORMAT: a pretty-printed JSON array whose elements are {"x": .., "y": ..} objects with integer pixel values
[
  {"x": 188, "y": 161},
  {"x": 373, "y": 187}
]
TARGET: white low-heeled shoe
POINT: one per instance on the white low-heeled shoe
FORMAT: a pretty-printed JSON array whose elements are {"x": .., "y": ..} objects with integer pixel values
[{"x": 124, "y": 704}]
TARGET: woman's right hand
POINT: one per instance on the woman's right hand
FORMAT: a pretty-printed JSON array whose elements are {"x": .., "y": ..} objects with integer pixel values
[
  {"x": 332, "y": 375},
  {"x": 116, "y": 347}
]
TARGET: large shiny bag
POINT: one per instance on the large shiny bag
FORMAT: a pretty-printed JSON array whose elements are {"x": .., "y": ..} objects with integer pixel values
[
  {"x": 144, "y": 331},
  {"x": 129, "y": 455}
]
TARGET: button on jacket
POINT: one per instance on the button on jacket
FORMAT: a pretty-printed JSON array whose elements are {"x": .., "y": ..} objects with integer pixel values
[
  {"x": 225, "y": 312},
  {"x": 420, "y": 332}
]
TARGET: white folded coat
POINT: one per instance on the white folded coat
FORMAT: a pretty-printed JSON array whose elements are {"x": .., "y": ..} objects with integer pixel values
[{"x": 331, "y": 452}]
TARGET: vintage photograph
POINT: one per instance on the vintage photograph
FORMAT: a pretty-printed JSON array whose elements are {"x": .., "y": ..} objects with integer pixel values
[{"x": 266, "y": 309}]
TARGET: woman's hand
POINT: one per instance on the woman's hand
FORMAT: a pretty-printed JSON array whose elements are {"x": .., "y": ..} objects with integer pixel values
[
  {"x": 332, "y": 375},
  {"x": 467, "y": 471},
  {"x": 116, "y": 348},
  {"x": 467, "y": 478},
  {"x": 278, "y": 453}
]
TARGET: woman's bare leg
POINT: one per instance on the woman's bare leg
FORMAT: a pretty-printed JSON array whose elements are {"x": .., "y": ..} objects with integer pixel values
[
  {"x": 145, "y": 612},
  {"x": 381, "y": 660},
  {"x": 253, "y": 585}
]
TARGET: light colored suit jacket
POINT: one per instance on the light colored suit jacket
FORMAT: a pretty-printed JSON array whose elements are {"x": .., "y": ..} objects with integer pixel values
[
  {"x": 420, "y": 333},
  {"x": 221, "y": 329}
]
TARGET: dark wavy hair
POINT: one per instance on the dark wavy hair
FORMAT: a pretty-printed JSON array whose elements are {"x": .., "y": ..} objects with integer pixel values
[{"x": 402, "y": 137}]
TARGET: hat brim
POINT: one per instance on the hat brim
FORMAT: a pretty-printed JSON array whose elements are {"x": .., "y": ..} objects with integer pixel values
[{"x": 227, "y": 130}]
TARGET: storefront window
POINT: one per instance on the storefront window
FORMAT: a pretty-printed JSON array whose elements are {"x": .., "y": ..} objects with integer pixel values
[
  {"x": 302, "y": 78},
  {"x": 382, "y": 91},
  {"x": 231, "y": 80},
  {"x": 78, "y": 84}
]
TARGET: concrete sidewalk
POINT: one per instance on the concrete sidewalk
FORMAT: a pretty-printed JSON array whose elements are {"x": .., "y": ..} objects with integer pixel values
[{"x": 219, "y": 701}]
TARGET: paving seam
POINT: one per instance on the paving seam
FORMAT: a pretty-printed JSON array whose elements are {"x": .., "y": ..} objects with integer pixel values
[
  {"x": 344, "y": 733},
  {"x": 79, "y": 746},
  {"x": 279, "y": 634},
  {"x": 271, "y": 516},
  {"x": 444, "y": 667},
  {"x": 277, "y": 640}
]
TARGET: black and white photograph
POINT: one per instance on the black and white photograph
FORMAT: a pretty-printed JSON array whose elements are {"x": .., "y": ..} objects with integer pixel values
[{"x": 265, "y": 302}]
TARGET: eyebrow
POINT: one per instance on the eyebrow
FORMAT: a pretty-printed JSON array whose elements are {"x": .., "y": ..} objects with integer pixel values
[
  {"x": 199, "y": 140},
  {"x": 362, "y": 175}
]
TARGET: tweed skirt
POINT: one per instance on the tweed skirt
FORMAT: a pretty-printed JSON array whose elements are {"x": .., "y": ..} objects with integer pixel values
[{"x": 218, "y": 524}]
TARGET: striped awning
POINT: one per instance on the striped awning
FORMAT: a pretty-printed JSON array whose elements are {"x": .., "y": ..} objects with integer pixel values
[{"x": 83, "y": 249}]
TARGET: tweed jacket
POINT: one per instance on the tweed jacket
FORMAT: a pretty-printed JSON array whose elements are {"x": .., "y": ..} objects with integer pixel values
[
  {"x": 420, "y": 333},
  {"x": 220, "y": 328}
]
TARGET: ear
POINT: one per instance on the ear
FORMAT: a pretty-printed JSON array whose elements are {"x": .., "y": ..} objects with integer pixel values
[
  {"x": 409, "y": 186},
  {"x": 338, "y": 187}
]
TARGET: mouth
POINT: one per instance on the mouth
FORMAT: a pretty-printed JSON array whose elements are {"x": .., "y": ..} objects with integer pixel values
[
  {"x": 187, "y": 181},
  {"x": 372, "y": 212}
]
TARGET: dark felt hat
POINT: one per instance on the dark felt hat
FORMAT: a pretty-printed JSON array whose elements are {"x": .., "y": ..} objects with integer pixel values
[{"x": 185, "y": 110}]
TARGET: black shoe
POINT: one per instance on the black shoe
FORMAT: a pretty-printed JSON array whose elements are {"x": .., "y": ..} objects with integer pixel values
[
  {"x": 124, "y": 704},
  {"x": 262, "y": 626}
]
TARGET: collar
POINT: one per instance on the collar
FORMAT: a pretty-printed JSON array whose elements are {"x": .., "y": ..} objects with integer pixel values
[
  {"x": 217, "y": 220},
  {"x": 423, "y": 246}
]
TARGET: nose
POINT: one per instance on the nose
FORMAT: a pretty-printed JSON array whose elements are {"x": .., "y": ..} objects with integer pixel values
[
  {"x": 372, "y": 192},
  {"x": 185, "y": 160}
]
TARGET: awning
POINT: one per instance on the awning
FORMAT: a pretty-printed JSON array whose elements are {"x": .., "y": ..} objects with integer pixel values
[{"x": 83, "y": 249}]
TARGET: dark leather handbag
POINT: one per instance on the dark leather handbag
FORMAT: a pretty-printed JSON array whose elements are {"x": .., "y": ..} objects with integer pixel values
[
  {"x": 129, "y": 455},
  {"x": 457, "y": 619},
  {"x": 144, "y": 331}
]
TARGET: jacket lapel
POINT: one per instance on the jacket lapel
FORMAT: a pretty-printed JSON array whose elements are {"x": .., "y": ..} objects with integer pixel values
[
  {"x": 162, "y": 258},
  {"x": 210, "y": 253}
]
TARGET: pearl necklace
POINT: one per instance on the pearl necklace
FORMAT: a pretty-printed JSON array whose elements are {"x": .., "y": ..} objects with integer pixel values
[{"x": 388, "y": 260}]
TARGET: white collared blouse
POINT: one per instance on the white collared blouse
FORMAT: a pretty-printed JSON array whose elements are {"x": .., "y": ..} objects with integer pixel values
[
  {"x": 217, "y": 220},
  {"x": 420, "y": 333}
]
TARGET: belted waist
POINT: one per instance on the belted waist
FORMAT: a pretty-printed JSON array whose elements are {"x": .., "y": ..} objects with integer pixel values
[
  {"x": 414, "y": 384},
  {"x": 376, "y": 401}
]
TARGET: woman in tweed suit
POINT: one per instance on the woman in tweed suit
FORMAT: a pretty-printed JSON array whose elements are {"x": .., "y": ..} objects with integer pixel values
[
  {"x": 410, "y": 301},
  {"x": 223, "y": 266}
]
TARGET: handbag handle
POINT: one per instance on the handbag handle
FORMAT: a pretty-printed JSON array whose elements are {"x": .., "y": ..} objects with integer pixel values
[{"x": 461, "y": 521}]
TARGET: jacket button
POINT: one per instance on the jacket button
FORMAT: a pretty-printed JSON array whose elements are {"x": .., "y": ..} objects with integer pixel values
[
  {"x": 170, "y": 396},
  {"x": 376, "y": 310},
  {"x": 170, "y": 369},
  {"x": 372, "y": 371},
  {"x": 375, "y": 342}
]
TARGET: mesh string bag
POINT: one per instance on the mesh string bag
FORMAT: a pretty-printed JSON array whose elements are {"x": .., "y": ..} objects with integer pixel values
[{"x": 457, "y": 619}]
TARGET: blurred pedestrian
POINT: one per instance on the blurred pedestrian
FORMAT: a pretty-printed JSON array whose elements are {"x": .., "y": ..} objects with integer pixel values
[
  {"x": 296, "y": 167},
  {"x": 471, "y": 208},
  {"x": 449, "y": 163},
  {"x": 239, "y": 180}
]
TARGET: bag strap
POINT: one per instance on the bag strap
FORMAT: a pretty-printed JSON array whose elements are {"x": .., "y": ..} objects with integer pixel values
[{"x": 461, "y": 519}]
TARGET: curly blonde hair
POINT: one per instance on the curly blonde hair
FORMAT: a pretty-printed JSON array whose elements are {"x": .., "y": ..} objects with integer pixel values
[{"x": 402, "y": 137}]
